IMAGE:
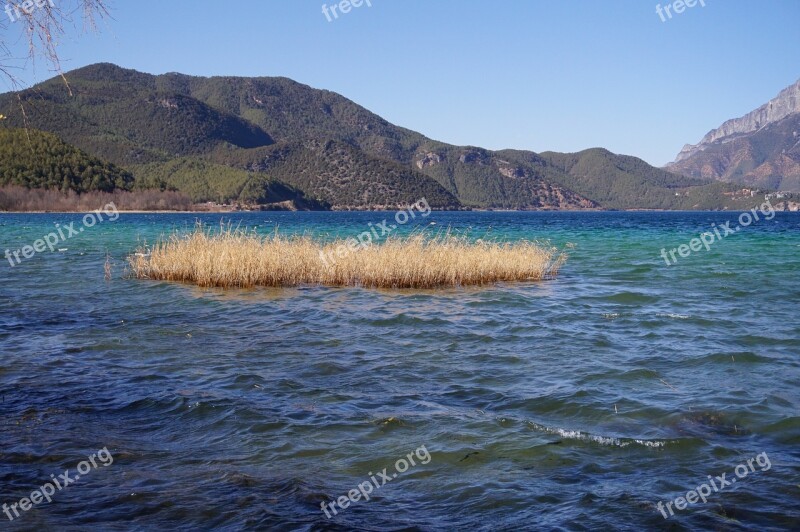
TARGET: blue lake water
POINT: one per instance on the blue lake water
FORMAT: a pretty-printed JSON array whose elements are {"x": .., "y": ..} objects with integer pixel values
[{"x": 577, "y": 403}]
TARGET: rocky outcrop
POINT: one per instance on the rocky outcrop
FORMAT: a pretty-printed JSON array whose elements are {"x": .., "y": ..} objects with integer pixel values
[
  {"x": 428, "y": 159},
  {"x": 786, "y": 103},
  {"x": 475, "y": 156},
  {"x": 760, "y": 149}
]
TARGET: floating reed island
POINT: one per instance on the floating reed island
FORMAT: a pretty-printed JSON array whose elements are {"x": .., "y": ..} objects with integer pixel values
[{"x": 234, "y": 258}]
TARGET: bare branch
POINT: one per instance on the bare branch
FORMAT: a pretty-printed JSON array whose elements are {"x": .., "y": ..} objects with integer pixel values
[{"x": 43, "y": 23}]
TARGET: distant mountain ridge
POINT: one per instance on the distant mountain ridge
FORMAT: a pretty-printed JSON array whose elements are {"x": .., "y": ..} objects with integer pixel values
[
  {"x": 761, "y": 148},
  {"x": 786, "y": 103},
  {"x": 178, "y": 131}
]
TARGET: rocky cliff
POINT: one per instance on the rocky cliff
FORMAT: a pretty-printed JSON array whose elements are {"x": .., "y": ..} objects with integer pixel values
[
  {"x": 761, "y": 149},
  {"x": 786, "y": 103}
]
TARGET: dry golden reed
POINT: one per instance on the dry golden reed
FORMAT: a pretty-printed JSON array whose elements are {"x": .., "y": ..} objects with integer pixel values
[{"x": 235, "y": 258}]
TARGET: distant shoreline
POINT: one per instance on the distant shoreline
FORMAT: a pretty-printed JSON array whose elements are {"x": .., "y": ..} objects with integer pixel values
[{"x": 121, "y": 211}]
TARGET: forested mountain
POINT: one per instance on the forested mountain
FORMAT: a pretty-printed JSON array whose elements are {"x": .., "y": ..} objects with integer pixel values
[
  {"x": 624, "y": 182},
  {"x": 340, "y": 174},
  {"x": 221, "y": 137},
  {"x": 204, "y": 181},
  {"x": 34, "y": 159}
]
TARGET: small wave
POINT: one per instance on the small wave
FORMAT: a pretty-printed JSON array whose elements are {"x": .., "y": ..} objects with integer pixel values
[
  {"x": 674, "y": 316},
  {"x": 786, "y": 429},
  {"x": 748, "y": 357},
  {"x": 602, "y": 440},
  {"x": 629, "y": 298}
]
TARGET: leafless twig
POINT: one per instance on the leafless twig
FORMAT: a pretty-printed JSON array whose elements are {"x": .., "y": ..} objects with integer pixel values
[{"x": 43, "y": 24}]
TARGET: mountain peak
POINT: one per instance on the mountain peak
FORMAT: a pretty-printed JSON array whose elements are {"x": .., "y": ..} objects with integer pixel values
[
  {"x": 786, "y": 103},
  {"x": 761, "y": 148}
]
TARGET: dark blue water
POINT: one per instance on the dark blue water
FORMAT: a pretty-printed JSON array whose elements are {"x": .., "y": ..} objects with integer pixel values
[{"x": 575, "y": 404}]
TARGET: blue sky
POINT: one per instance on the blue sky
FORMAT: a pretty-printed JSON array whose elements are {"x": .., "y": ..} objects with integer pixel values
[{"x": 542, "y": 75}]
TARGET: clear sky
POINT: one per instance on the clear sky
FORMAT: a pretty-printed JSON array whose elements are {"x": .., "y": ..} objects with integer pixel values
[{"x": 560, "y": 75}]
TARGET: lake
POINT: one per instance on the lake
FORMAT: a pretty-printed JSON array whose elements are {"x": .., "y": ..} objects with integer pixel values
[{"x": 576, "y": 403}]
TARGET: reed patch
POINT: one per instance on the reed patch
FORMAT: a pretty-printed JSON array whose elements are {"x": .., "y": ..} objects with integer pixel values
[
  {"x": 232, "y": 258},
  {"x": 367, "y": 238}
]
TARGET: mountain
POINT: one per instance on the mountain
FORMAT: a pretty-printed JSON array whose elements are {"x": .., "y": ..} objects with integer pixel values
[
  {"x": 154, "y": 125},
  {"x": 34, "y": 159},
  {"x": 219, "y": 137},
  {"x": 204, "y": 181},
  {"x": 761, "y": 149},
  {"x": 625, "y": 182},
  {"x": 342, "y": 174}
]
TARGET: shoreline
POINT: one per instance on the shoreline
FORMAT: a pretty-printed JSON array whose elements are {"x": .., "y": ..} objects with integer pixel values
[{"x": 121, "y": 211}]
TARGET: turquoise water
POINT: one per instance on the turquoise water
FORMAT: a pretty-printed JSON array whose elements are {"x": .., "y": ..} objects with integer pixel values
[{"x": 576, "y": 403}]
